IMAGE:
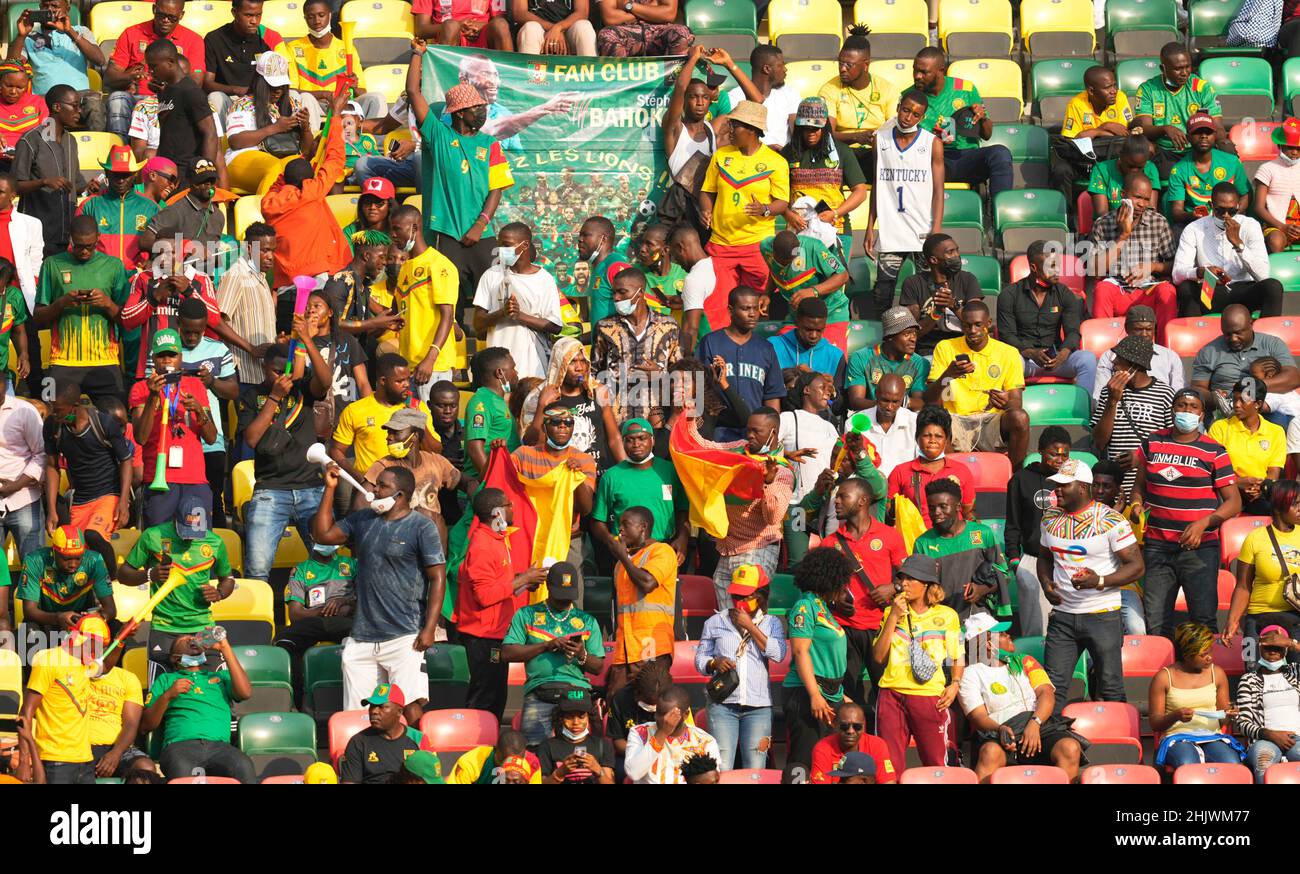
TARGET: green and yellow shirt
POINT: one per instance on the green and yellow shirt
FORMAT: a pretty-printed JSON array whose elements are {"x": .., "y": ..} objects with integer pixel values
[
  {"x": 57, "y": 592},
  {"x": 811, "y": 265},
  {"x": 810, "y": 619},
  {"x": 13, "y": 315},
  {"x": 487, "y": 418},
  {"x": 83, "y": 336},
  {"x": 1175, "y": 107},
  {"x": 538, "y": 624},
  {"x": 1188, "y": 184},
  {"x": 1107, "y": 179},
  {"x": 202, "y": 713},
  {"x": 956, "y": 94},
  {"x": 185, "y": 610}
]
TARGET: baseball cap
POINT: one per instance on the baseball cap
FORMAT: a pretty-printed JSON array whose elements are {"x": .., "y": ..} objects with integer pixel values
[
  {"x": 526, "y": 765},
  {"x": 383, "y": 694},
  {"x": 896, "y": 320},
  {"x": 575, "y": 701},
  {"x": 921, "y": 568},
  {"x": 1200, "y": 121},
  {"x": 747, "y": 579},
  {"x": 426, "y": 766},
  {"x": 562, "y": 581},
  {"x": 354, "y": 108},
  {"x": 192, "y": 517},
  {"x": 120, "y": 160},
  {"x": 855, "y": 764},
  {"x": 463, "y": 96},
  {"x": 1072, "y": 471},
  {"x": 637, "y": 426},
  {"x": 407, "y": 417},
  {"x": 166, "y": 340},
  {"x": 1274, "y": 629},
  {"x": 91, "y": 627},
  {"x": 379, "y": 187},
  {"x": 204, "y": 171},
  {"x": 983, "y": 623},
  {"x": 274, "y": 68},
  {"x": 318, "y": 773},
  {"x": 68, "y": 540}
]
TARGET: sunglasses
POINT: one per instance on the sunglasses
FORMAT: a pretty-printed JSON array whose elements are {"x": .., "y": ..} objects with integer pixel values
[
  {"x": 1225, "y": 211},
  {"x": 852, "y": 726},
  {"x": 568, "y": 422}
]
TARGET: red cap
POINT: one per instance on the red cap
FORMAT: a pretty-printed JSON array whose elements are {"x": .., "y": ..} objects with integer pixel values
[
  {"x": 379, "y": 187},
  {"x": 383, "y": 694},
  {"x": 1288, "y": 133},
  {"x": 1199, "y": 120}
]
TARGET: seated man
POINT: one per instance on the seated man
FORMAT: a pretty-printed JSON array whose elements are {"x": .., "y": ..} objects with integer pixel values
[
  {"x": 1134, "y": 252},
  {"x": 1100, "y": 112},
  {"x": 509, "y": 761},
  {"x": 193, "y": 706},
  {"x": 1187, "y": 196},
  {"x": 895, "y": 354},
  {"x": 115, "y": 705},
  {"x": 1106, "y": 182},
  {"x": 63, "y": 581},
  {"x": 807, "y": 346},
  {"x": 1166, "y": 101},
  {"x": 1040, "y": 316},
  {"x": 320, "y": 601},
  {"x": 996, "y": 692},
  {"x": 850, "y": 736},
  {"x": 375, "y": 754},
  {"x": 964, "y": 159},
  {"x": 938, "y": 291},
  {"x": 54, "y": 718},
  {"x": 463, "y": 23},
  {"x": 642, "y": 28},
  {"x": 1277, "y": 183},
  {"x": 1255, "y": 445},
  {"x": 1222, "y": 362},
  {"x": 979, "y": 381},
  {"x": 1222, "y": 260},
  {"x": 1165, "y": 365}
]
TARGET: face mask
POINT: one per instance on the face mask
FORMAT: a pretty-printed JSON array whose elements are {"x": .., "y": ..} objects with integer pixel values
[
  {"x": 193, "y": 661},
  {"x": 952, "y": 266},
  {"x": 409, "y": 245},
  {"x": 509, "y": 255},
  {"x": 383, "y": 505},
  {"x": 569, "y": 735},
  {"x": 1272, "y": 665},
  {"x": 499, "y": 523},
  {"x": 920, "y": 453},
  {"x": 551, "y": 443},
  {"x": 1187, "y": 422},
  {"x": 625, "y": 307},
  {"x": 1286, "y": 160},
  {"x": 908, "y": 130},
  {"x": 399, "y": 450},
  {"x": 650, "y": 456},
  {"x": 505, "y": 388},
  {"x": 1219, "y": 223},
  {"x": 648, "y": 708},
  {"x": 326, "y": 549},
  {"x": 595, "y": 254},
  {"x": 320, "y": 34}
]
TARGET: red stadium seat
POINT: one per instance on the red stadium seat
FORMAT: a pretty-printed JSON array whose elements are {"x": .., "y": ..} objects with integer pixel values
[
  {"x": 1072, "y": 272},
  {"x": 1030, "y": 775},
  {"x": 699, "y": 601},
  {"x": 518, "y": 674},
  {"x": 1285, "y": 327},
  {"x": 1283, "y": 772},
  {"x": 205, "y": 780},
  {"x": 284, "y": 778},
  {"x": 1122, "y": 775},
  {"x": 1098, "y": 719},
  {"x": 342, "y": 726},
  {"x": 776, "y": 671},
  {"x": 765, "y": 776},
  {"x": 1144, "y": 655},
  {"x": 1101, "y": 335},
  {"x": 1186, "y": 336},
  {"x": 1229, "y": 658},
  {"x": 1233, "y": 533},
  {"x": 1083, "y": 213},
  {"x": 1254, "y": 141},
  {"x": 598, "y": 680},
  {"x": 458, "y": 731},
  {"x": 1227, "y": 582},
  {"x": 683, "y": 670},
  {"x": 935, "y": 776},
  {"x": 1213, "y": 774},
  {"x": 992, "y": 471}
]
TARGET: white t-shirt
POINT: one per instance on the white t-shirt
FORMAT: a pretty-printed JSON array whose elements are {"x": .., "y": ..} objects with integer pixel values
[
  {"x": 992, "y": 686},
  {"x": 1293, "y": 436},
  {"x": 144, "y": 122},
  {"x": 801, "y": 429},
  {"x": 241, "y": 118},
  {"x": 699, "y": 284},
  {"x": 1088, "y": 539},
  {"x": 537, "y": 295},
  {"x": 1283, "y": 184},
  {"x": 1281, "y": 704},
  {"x": 782, "y": 103},
  {"x": 897, "y": 445}
]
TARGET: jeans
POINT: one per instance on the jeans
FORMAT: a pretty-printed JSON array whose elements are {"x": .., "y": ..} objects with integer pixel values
[
  {"x": 1082, "y": 365},
  {"x": 739, "y": 729},
  {"x": 1135, "y": 620},
  {"x": 403, "y": 173},
  {"x": 194, "y": 758},
  {"x": 973, "y": 166},
  {"x": 73, "y": 773},
  {"x": 1168, "y": 566},
  {"x": 1101, "y": 635},
  {"x": 1186, "y": 752},
  {"x": 535, "y": 720},
  {"x": 120, "y": 106},
  {"x": 27, "y": 525},
  {"x": 765, "y": 557},
  {"x": 1264, "y": 753},
  {"x": 888, "y": 266},
  {"x": 267, "y": 514}
]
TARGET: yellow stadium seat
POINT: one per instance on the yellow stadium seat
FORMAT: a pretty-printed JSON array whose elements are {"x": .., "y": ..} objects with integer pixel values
[
  {"x": 11, "y": 553},
  {"x": 108, "y": 20},
  {"x": 899, "y": 28},
  {"x": 136, "y": 660},
  {"x": 396, "y": 136},
  {"x": 248, "y": 614},
  {"x": 975, "y": 28},
  {"x": 998, "y": 81},
  {"x": 379, "y": 30},
  {"x": 803, "y": 28},
  {"x": 387, "y": 79},
  {"x": 415, "y": 200},
  {"x": 234, "y": 547},
  {"x": 807, "y": 77},
  {"x": 123, "y": 541},
  {"x": 18, "y": 612},
  {"x": 92, "y": 148},
  {"x": 243, "y": 478},
  {"x": 292, "y": 551},
  {"x": 11, "y": 684},
  {"x": 344, "y": 207},
  {"x": 248, "y": 209},
  {"x": 204, "y": 16},
  {"x": 897, "y": 73},
  {"x": 96, "y": 80},
  {"x": 1058, "y": 28},
  {"x": 464, "y": 402},
  {"x": 284, "y": 17}
]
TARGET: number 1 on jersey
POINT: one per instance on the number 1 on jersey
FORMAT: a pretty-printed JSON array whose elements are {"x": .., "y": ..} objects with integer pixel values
[{"x": 900, "y": 199}]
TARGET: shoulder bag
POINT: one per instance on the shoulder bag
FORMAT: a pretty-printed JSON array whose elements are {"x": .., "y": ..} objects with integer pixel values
[{"x": 1291, "y": 581}]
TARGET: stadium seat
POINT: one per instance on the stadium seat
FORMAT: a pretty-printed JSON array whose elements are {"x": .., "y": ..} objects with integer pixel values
[
  {"x": 448, "y": 670},
  {"x": 248, "y": 209},
  {"x": 698, "y": 603},
  {"x": 729, "y": 26},
  {"x": 1285, "y": 268},
  {"x": 292, "y": 551},
  {"x": 1291, "y": 86},
  {"x": 986, "y": 270},
  {"x": 11, "y": 684},
  {"x": 998, "y": 81},
  {"x": 752, "y": 776},
  {"x": 1053, "y": 84},
  {"x": 205, "y": 780},
  {"x": 1231, "y": 660},
  {"x": 248, "y": 614},
  {"x": 1030, "y": 148},
  {"x": 806, "y": 77},
  {"x": 322, "y": 671},
  {"x": 342, "y": 726},
  {"x": 242, "y": 479},
  {"x": 863, "y": 334},
  {"x": 897, "y": 73},
  {"x": 1285, "y": 327},
  {"x": 784, "y": 594},
  {"x": 1208, "y": 26},
  {"x": 598, "y": 600},
  {"x": 1254, "y": 140},
  {"x": 1113, "y": 727},
  {"x": 280, "y": 744},
  {"x": 975, "y": 28},
  {"x": 107, "y": 20},
  {"x": 268, "y": 670},
  {"x": 1282, "y": 773},
  {"x": 123, "y": 541},
  {"x": 1025, "y": 215},
  {"x": 1232, "y": 534},
  {"x": 1143, "y": 656},
  {"x": 1244, "y": 86},
  {"x": 963, "y": 219},
  {"x": 938, "y": 776},
  {"x": 1123, "y": 775},
  {"x": 1057, "y": 28},
  {"x": 1029, "y": 775},
  {"x": 92, "y": 149},
  {"x": 899, "y": 28},
  {"x": 1135, "y": 26},
  {"x": 234, "y": 547},
  {"x": 1133, "y": 72},
  {"x": 201, "y": 16},
  {"x": 992, "y": 473},
  {"x": 285, "y": 779},
  {"x": 1100, "y": 335},
  {"x": 386, "y": 79},
  {"x": 804, "y": 28},
  {"x": 344, "y": 206},
  {"x": 284, "y": 17},
  {"x": 1209, "y": 774},
  {"x": 136, "y": 660},
  {"x": 1086, "y": 457},
  {"x": 1083, "y": 214},
  {"x": 452, "y": 731},
  {"x": 1187, "y": 335},
  {"x": 391, "y": 18},
  {"x": 1057, "y": 404}
]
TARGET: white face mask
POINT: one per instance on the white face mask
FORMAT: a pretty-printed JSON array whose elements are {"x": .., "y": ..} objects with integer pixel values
[
  {"x": 410, "y": 244},
  {"x": 908, "y": 130},
  {"x": 626, "y": 307},
  {"x": 383, "y": 505},
  {"x": 508, "y": 255},
  {"x": 1287, "y": 160},
  {"x": 572, "y": 736},
  {"x": 921, "y": 455},
  {"x": 1220, "y": 224},
  {"x": 319, "y": 34},
  {"x": 499, "y": 523}
]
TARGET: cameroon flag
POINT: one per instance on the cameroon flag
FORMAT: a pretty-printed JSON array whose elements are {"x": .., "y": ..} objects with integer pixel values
[{"x": 710, "y": 475}]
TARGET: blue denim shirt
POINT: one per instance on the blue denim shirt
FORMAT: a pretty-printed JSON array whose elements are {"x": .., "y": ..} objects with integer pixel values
[{"x": 720, "y": 638}]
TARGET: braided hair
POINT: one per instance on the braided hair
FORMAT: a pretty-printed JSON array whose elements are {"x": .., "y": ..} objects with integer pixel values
[{"x": 857, "y": 39}]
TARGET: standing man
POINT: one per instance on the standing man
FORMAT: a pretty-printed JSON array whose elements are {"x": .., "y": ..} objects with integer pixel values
[
  {"x": 910, "y": 175},
  {"x": 487, "y": 417},
  {"x": 802, "y": 268},
  {"x": 361, "y": 424},
  {"x": 750, "y": 362},
  {"x": 634, "y": 348},
  {"x": 45, "y": 163},
  {"x": 91, "y": 446},
  {"x": 895, "y": 354},
  {"x": 1029, "y": 495},
  {"x": 689, "y": 140},
  {"x": 1040, "y": 316},
  {"x": 60, "y": 53},
  {"x": 230, "y": 51},
  {"x": 517, "y": 303},
  {"x": 685, "y": 249},
  {"x": 247, "y": 301},
  {"x": 747, "y": 185},
  {"x": 860, "y": 103},
  {"x": 21, "y": 241},
  {"x": 22, "y": 463},
  {"x": 127, "y": 75},
  {"x": 426, "y": 297},
  {"x": 187, "y": 129},
  {"x": 956, "y": 115},
  {"x": 55, "y": 703},
  {"x": 596, "y": 248},
  {"x": 641, "y": 480},
  {"x": 645, "y": 593},
  {"x": 971, "y": 566},
  {"x": 1134, "y": 248},
  {"x": 120, "y": 210},
  {"x": 396, "y": 551},
  {"x": 1167, "y": 101},
  {"x": 1088, "y": 551},
  {"x": 569, "y": 382},
  {"x": 1222, "y": 260},
  {"x": 458, "y": 207},
  {"x": 767, "y": 77},
  {"x": 211, "y": 361}
]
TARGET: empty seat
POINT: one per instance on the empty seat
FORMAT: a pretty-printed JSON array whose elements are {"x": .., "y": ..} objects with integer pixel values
[
  {"x": 106, "y": 21},
  {"x": 1143, "y": 656},
  {"x": 765, "y": 776},
  {"x": 938, "y": 776},
  {"x": 248, "y": 615},
  {"x": 459, "y": 731},
  {"x": 1244, "y": 86},
  {"x": 1283, "y": 773},
  {"x": 805, "y": 28},
  {"x": 1100, "y": 335},
  {"x": 1254, "y": 140},
  {"x": 975, "y": 28},
  {"x": 1285, "y": 327},
  {"x": 732, "y": 27},
  {"x": 1186, "y": 336},
  {"x": 1232, "y": 534},
  {"x": 386, "y": 79},
  {"x": 323, "y": 681},
  {"x": 899, "y": 28},
  {"x": 998, "y": 81},
  {"x": 1134, "y": 71},
  {"x": 202, "y": 16},
  {"x": 1135, "y": 26},
  {"x": 1029, "y": 775},
  {"x": 897, "y": 73},
  {"x": 284, "y": 17},
  {"x": 1023, "y": 216},
  {"x": 862, "y": 334},
  {"x": 1057, "y": 28},
  {"x": 280, "y": 744},
  {"x": 1056, "y": 405},
  {"x": 1206, "y": 773},
  {"x": 448, "y": 670},
  {"x": 379, "y": 30},
  {"x": 699, "y": 601},
  {"x": 1031, "y": 150},
  {"x": 268, "y": 670},
  {"x": 248, "y": 209},
  {"x": 1291, "y": 86},
  {"x": 1121, "y": 775},
  {"x": 963, "y": 219},
  {"x": 986, "y": 270},
  {"x": 1053, "y": 84},
  {"x": 1113, "y": 727}
]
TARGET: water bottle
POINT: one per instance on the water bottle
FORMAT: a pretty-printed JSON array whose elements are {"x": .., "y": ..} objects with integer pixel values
[{"x": 211, "y": 636}]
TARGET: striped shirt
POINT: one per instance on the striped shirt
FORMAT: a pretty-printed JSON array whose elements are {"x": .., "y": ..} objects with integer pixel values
[
  {"x": 1140, "y": 412},
  {"x": 1087, "y": 540},
  {"x": 1182, "y": 482},
  {"x": 754, "y": 524}
]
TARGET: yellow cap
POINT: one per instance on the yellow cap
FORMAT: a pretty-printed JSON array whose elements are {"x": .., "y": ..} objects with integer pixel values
[{"x": 320, "y": 772}]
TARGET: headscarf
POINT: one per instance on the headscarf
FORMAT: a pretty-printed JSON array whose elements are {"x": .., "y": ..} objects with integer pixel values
[
  {"x": 11, "y": 66},
  {"x": 562, "y": 354}
]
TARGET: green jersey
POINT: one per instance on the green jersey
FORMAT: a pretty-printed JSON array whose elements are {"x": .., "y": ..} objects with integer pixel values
[
  {"x": 868, "y": 366},
  {"x": 655, "y": 487},
  {"x": 660, "y": 289},
  {"x": 185, "y": 610},
  {"x": 202, "y": 712},
  {"x": 537, "y": 624},
  {"x": 313, "y": 582},
  {"x": 459, "y": 171},
  {"x": 810, "y": 619},
  {"x": 83, "y": 336},
  {"x": 957, "y": 94},
  {"x": 56, "y": 592},
  {"x": 1108, "y": 179},
  {"x": 1188, "y": 184},
  {"x": 811, "y": 265},
  {"x": 13, "y": 315},
  {"x": 1174, "y": 107},
  {"x": 487, "y": 418}
]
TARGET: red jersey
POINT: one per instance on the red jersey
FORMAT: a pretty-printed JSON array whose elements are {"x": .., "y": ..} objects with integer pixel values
[
  {"x": 141, "y": 310},
  {"x": 880, "y": 549},
  {"x": 131, "y": 45},
  {"x": 910, "y": 480},
  {"x": 18, "y": 118},
  {"x": 485, "y": 598},
  {"x": 827, "y": 753},
  {"x": 183, "y": 433}
]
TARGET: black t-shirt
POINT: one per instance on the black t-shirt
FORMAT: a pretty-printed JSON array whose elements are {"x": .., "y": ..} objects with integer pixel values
[
  {"x": 180, "y": 109},
  {"x": 589, "y": 428},
  {"x": 919, "y": 290},
  {"x": 556, "y": 749},
  {"x": 230, "y": 55},
  {"x": 553, "y": 11},
  {"x": 453, "y": 449},
  {"x": 624, "y": 712},
  {"x": 372, "y": 758},
  {"x": 92, "y": 463},
  {"x": 342, "y": 352},
  {"x": 280, "y": 459}
]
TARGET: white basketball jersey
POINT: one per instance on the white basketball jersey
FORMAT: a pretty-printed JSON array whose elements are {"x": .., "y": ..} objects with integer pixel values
[{"x": 904, "y": 190}]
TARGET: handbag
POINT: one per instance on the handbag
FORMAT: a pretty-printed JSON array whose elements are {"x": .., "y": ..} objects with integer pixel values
[
  {"x": 923, "y": 666},
  {"x": 282, "y": 145},
  {"x": 723, "y": 684},
  {"x": 1291, "y": 583}
]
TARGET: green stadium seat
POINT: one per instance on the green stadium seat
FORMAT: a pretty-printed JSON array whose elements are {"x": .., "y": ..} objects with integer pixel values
[
  {"x": 963, "y": 219},
  {"x": 1208, "y": 28},
  {"x": 729, "y": 26},
  {"x": 986, "y": 269},
  {"x": 268, "y": 670},
  {"x": 598, "y": 600},
  {"x": 1291, "y": 85},
  {"x": 763, "y": 329},
  {"x": 863, "y": 334},
  {"x": 862, "y": 275},
  {"x": 1024, "y": 215},
  {"x": 1244, "y": 86},
  {"x": 1133, "y": 72},
  {"x": 1033, "y": 646},
  {"x": 1030, "y": 147},
  {"x": 1285, "y": 268},
  {"x": 899, "y": 28},
  {"x": 805, "y": 29},
  {"x": 1053, "y": 84},
  {"x": 448, "y": 670},
  {"x": 999, "y": 527},
  {"x": 1137, "y": 25},
  {"x": 907, "y": 270},
  {"x": 1056, "y": 404},
  {"x": 322, "y": 671},
  {"x": 784, "y": 594},
  {"x": 279, "y": 744}
]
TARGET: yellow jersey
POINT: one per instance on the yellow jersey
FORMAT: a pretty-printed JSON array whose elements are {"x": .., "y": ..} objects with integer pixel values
[
  {"x": 1251, "y": 454},
  {"x": 997, "y": 366},
  {"x": 62, "y": 728},
  {"x": 361, "y": 426},
  {"x": 939, "y": 632},
  {"x": 426, "y": 281},
  {"x": 735, "y": 180},
  {"x": 855, "y": 109},
  {"x": 108, "y": 695},
  {"x": 1080, "y": 116},
  {"x": 313, "y": 69}
]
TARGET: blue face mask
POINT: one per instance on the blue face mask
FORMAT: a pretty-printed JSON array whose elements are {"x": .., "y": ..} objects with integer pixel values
[
  {"x": 625, "y": 307},
  {"x": 193, "y": 661},
  {"x": 326, "y": 549},
  {"x": 1187, "y": 422},
  {"x": 509, "y": 255},
  {"x": 551, "y": 443},
  {"x": 1272, "y": 665}
]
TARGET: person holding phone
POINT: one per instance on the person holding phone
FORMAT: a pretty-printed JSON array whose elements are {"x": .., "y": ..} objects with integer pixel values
[
  {"x": 576, "y": 754},
  {"x": 1041, "y": 316},
  {"x": 1223, "y": 257}
]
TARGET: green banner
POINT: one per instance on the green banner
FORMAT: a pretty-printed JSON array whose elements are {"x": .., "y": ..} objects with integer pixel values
[{"x": 581, "y": 134}]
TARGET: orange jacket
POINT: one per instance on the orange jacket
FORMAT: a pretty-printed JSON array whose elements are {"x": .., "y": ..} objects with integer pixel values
[{"x": 308, "y": 237}]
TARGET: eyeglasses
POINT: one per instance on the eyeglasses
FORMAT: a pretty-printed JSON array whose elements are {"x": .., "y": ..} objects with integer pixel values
[
  {"x": 851, "y": 726},
  {"x": 1225, "y": 211},
  {"x": 568, "y": 422}
]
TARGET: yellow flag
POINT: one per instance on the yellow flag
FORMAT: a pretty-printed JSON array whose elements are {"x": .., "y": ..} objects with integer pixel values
[
  {"x": 908, "y": 521},
  {"x": 552, "y": 496}
]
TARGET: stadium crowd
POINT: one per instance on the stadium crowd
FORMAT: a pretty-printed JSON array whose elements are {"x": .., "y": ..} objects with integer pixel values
[{"x": 878, "y": 488}]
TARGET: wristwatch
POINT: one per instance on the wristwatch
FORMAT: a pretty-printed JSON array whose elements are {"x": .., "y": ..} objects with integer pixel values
[
  {"x": 767, "y": 210},
  {"x": 627, "y": 7},
  {"x": 1035, "y": 718}
]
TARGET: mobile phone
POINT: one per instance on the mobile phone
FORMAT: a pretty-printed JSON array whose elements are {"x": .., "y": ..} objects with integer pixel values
[
  {"x": 963, "y": 358},
  {"x": 392, "y": 147},
  {"x": 40, "y": 16},
  {"x": 580, "y": 751},
  {"x": 822, "y": 207},
  {"x": 173, "y": 376}
]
